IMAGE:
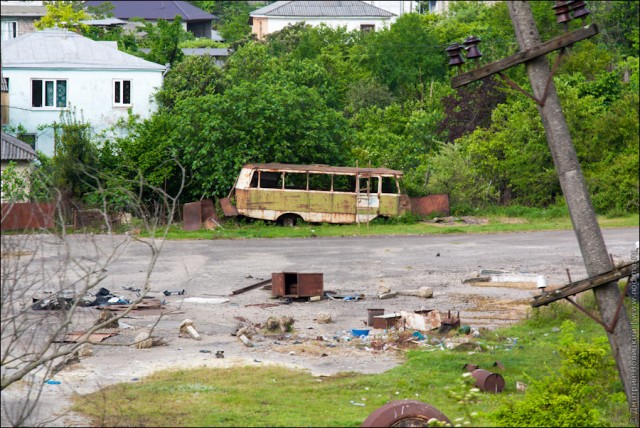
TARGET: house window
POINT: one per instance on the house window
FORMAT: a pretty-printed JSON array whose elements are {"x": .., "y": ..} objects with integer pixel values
[
  {"x": 367, "y": 27},
  {"x": 9, "y": 30},
  {"x": 48, "y": 93},
  {"x": 121, "y": 92}
]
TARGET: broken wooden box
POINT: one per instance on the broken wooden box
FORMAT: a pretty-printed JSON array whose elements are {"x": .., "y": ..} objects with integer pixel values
[{"x": 296, "y": 284}]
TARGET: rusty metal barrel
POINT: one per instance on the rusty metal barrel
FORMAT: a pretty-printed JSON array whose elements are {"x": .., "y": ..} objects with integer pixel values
[{"x": 487, "y": 381}]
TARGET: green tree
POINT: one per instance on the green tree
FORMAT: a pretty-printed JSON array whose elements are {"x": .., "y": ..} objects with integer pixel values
[
  {"x": 195, "y": 76},
  {"x": 163, "y": 38},
  {"x": 254, "y": 122},
  {"x": 63, "y": 14},
  {"x": 75, "y": 162},
  {"x": 405, "y": 56}
]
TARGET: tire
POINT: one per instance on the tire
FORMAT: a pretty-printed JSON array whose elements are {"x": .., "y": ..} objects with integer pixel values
[
  {"x": 289, "y": 220},
  {"x": 404, "y": 413}
]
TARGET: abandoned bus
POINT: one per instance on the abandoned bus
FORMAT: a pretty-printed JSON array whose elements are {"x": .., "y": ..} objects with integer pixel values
[{"x": 316, "y": 193}]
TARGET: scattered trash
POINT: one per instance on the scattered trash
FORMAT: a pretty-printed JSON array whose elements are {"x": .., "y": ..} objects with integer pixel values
[
  {"x": 315, "y": 298},
  {"x": 187, "y": 327},
  {"x": 332, "y": 295},
  {"x": 52, "y": 382},
  {"x": 135, "y": 379},
  {"x": 219, "y": 354},
  {"x": 133, "y": 290},
  {"x": 465, "y": 329},
  {"x": 521, "y": 387},
  {"x": 118, "y": 301},
  {"x": 555, "y": 329},
  {"x": 358, "y": 404},
  {"x": 418, "y": 335},
  {"x": 151, "y": 303},
  {"x": 205, "y": 351},
  {"x": 173, "y": 293}
]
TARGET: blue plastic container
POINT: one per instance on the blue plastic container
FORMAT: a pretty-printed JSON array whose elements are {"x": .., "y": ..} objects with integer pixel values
[{"x": 359, "y": 332}]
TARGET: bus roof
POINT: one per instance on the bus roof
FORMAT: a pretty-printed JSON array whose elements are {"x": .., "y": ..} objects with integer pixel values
[{"x": 321, "y": 168}]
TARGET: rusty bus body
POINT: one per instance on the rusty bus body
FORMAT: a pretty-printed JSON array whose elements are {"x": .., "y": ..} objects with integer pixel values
[{"x": 316, "y": 193}]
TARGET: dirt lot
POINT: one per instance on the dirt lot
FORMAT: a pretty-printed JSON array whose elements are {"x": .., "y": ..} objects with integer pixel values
[{"x": 352, "y": 266}]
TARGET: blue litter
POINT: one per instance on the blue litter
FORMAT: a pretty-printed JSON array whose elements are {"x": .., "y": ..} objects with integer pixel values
[
  {"x": 52, "y": 382},
  {"x": 418, "y": 335}
]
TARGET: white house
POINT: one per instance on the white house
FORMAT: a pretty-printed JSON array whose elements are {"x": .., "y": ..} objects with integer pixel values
[
  {"x": 52, "y": 70},
  {"x": 354, "y": 15},
  {"x": 18, "y": 17}
]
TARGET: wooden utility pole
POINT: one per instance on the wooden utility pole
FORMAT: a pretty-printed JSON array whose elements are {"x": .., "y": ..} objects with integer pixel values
[{"x": 594, "y": 251}]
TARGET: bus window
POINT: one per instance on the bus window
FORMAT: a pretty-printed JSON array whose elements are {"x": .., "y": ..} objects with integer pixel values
[
  {"x": 389, "y": 185},
  {"x": 369, "y": 185},
  {"x": 254, "y": 179},
  {"x": 270, "y": 180},
  {"x": 320, "y": 182},
  {"x": 295, "y": 180},
  {"x": 344, "y": 183}
]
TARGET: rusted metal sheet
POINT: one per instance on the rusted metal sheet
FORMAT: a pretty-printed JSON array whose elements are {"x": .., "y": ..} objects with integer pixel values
[
  {"x": 250, "y": 287},
  {"x": 487, "y": 381},
  {"x": 295, "y": 284},
  {"x": 76, "y": 336},
  {"x": 208, "y": 210},
  {"x": 227, "y": 207},
  {"x": 192, "y": 216},
  {"x": 28, "y": 215},
  {"x": 426, "y": 205}
]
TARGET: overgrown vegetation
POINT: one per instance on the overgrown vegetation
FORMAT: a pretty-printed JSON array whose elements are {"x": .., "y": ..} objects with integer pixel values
[
  {"x": 321, "y": 95},
  {"x": 558, "y": 352}
]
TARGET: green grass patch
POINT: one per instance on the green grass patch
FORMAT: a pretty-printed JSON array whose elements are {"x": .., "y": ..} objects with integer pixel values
[
  {"x": 534, "y": 351},
  {"x": 494, "y": 223}
]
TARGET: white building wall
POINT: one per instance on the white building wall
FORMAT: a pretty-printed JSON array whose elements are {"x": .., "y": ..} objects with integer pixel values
[
  {"x": 89, "y": 91},
  {"x": 277, "y": 24}
]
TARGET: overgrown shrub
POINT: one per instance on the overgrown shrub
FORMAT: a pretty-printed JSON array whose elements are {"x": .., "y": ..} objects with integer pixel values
[{"x": 572, "y": 395}]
